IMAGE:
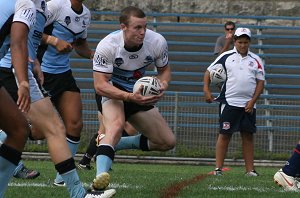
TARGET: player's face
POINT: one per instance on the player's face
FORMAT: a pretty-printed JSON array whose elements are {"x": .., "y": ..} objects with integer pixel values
[
  {"x": 242, "y": 45},
  {"x": 134, "y": 32}
]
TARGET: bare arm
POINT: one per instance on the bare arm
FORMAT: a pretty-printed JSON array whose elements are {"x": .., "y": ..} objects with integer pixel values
[
  {"x": 207, "y": 93},
  {"x": 82, "y": 48},
  {"x": 258, "y": 90},
  {"x": 19, "y": 53},
  {"x": 164, "y": 75}
]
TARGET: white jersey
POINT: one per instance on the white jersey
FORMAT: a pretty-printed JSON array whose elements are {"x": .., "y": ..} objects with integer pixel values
[
  {"x": 66, "y": 25},
  {"x": 14, "y": 11},
  {"x": 127, "y": 67},
  {"x": 242, "y": 73}
]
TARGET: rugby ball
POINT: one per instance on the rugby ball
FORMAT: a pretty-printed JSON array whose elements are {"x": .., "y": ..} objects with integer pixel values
[
  {"x": 150, "y": 84},
  {"x": 217, "y": 75}
]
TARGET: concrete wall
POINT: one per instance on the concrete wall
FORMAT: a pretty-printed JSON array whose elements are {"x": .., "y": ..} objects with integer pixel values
[{"x": 227, "y": 7}]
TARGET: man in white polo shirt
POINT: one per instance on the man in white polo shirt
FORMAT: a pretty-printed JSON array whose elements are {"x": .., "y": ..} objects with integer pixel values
[{"x": 243, "y": 85}]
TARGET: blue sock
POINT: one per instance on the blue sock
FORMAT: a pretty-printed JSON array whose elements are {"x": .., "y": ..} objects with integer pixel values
[
  {"x": 73, "y": 184},
  {"x": 19, "y": 167},
  {"x": 9, "y": 158},
  {"x": 292, "y": 167},
  {"x": 73, "y": 146},
  {"x": 104, "y": 157},
  {"x": 103, "y": 163},
  {"x": 7, "y": 169},
  {"x": 131, "y": 142}
]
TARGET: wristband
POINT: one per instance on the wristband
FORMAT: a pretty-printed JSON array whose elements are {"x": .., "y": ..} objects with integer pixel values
[{"x": 51, "y": 40}]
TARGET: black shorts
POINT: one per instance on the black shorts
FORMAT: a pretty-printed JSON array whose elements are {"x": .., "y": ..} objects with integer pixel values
[
  {"x": 9, "y": 82},
  {"x": 233, "y": 119},
  {"x": 56, "y": 84},
  {"x": 130, "y": 108}
]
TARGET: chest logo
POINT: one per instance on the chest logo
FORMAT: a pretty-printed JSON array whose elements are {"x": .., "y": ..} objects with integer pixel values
[
  {"x": 133, "y": 56},
  {"x": 68, "y": 20},
  {"x": 119, "y": 61},
  {"x": 148, "y": 59}
]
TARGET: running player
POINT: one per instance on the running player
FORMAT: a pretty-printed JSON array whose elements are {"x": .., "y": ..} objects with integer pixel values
[{"x": 121, "y": 58}]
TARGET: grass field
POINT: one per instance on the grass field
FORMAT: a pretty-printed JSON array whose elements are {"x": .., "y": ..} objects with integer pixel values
[{"x": 157, "y": 181}]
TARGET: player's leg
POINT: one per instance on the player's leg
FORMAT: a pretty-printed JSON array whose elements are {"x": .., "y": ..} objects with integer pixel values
[
  {"x": 16, "y": 126},
  {"x": 113, "y": 121},
  {"x": 221, "y": 150},
  {"x": 155, "y": 132},
  {"x": 287, "y": 176},
  {"x": 248, "y": 128},
  {"x": 21, "y": 170},
  {"x": 44, "y": 118}
]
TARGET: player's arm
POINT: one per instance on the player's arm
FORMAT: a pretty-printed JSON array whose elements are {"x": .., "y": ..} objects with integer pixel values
[
  {"x": 164, "y": 75},
  {"x": 206, "y": 83},
  {"x": 82, "y": 48},
  {"x": 60, "y": 45},
  {"x": 19, "y": 53},
  {"x": 260, "y": 84}
]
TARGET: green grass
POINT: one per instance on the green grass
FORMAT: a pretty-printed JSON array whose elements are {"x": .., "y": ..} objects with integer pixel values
[{"x": 153, "y": 181}]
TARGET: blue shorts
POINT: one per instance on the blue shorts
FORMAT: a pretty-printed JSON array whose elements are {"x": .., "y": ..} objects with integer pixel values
[
  {"x": 233, "y": 119},
  {"x": 56, "y": 84},
  {"x": 10, "y": 84}
]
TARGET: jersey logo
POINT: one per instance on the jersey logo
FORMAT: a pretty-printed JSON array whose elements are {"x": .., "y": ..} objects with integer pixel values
[
  {"x": 77, "y": 19},
  {"x": 119, "y": 61},
  {"x": 100, "y": 61},
  {"x": 68, "y": 20},
  {"x": 148, "y": 60},
  {"x": 133, "y": 56},
  {"x": 137, "y": 74},
  {"x": 226, "y": 125},
  {"x": 83, "y": 24}
]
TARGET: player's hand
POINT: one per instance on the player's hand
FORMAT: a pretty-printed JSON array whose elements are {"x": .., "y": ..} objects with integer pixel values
[
  {"x": 208, "y": 97},
  {"x": 138, "y": 98},
  {"x": 249, "y": 107},
  {"x": 63, "y": 46},
  {"x": 23, "y": 97}
]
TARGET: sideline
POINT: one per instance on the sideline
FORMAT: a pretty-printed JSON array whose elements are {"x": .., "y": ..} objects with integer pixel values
[{"x": 165, "y": 160}]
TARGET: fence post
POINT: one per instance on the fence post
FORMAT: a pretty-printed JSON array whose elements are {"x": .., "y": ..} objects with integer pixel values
[{"x": 175, "y": 119}]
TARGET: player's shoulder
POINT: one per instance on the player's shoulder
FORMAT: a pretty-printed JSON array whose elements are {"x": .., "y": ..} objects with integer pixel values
[
  {"x": 111, "y": 41},
  {"x": 24, "y": 4},
  {"x": 152, "y": 37}
]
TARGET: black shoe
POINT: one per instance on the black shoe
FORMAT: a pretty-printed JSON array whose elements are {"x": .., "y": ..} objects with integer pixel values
[{"x": 25, "y": 173}]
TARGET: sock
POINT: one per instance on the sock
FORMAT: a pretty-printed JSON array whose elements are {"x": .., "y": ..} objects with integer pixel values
[
  {"x": 133, "y": 142},
  {"x": 18, "y": 168},
  {"x": 104, "y": 158},
  {"x": 9, "y": 158},
  {"x": 67, "y": 171},
  {"x": 292, "y": 167},
  {"x": 91, "y": 151},
  {"x": 73, "y": 143}
]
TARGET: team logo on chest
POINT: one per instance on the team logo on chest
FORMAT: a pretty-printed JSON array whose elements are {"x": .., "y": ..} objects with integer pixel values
[
  {"x": 43, "y": 5},
  {"x": 119, "y": 61},
  {"x": 68, "y": 20},
  {"x": 148, "y": 60},
  {"x": 77, "y": 19},
  {"x": 251, "y": 64}
]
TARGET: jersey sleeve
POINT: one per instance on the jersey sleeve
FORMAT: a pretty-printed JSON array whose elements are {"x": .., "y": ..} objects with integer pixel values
[
  {"x": 260, "y": 74},
  {"x": 25, "y": 12},
  {"x": 88, "y": 23},
  {"x": 103, "y": 58},
  {"x": 162, "y": 52}
]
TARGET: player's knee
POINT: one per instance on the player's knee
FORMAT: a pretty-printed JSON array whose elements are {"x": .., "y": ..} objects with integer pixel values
[{"x": 169, "y": 143}]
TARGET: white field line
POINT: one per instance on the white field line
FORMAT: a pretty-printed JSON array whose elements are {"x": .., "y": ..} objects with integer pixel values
[
  {"x": 244, "y": 188},
  {"x": 48, "y": 185}
]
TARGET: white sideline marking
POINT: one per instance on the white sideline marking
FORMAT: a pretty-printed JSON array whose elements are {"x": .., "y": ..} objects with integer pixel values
[
  {"x": 47, "y": 185},
  {"x": 243, "y": 188}
]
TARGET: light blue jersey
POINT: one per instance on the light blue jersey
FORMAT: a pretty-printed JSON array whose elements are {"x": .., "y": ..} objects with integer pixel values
[
  {"x": 68, "y": 26},
  {"x": 14, "y": 11},
  {"x": 34, "y": 36}
]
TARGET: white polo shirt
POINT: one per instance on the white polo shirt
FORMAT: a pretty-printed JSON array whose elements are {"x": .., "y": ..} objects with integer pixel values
[{"x": 242, "y": 73}]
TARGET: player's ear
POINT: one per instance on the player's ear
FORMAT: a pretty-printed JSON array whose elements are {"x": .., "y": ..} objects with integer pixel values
[{"x": 122, "y": 26}]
